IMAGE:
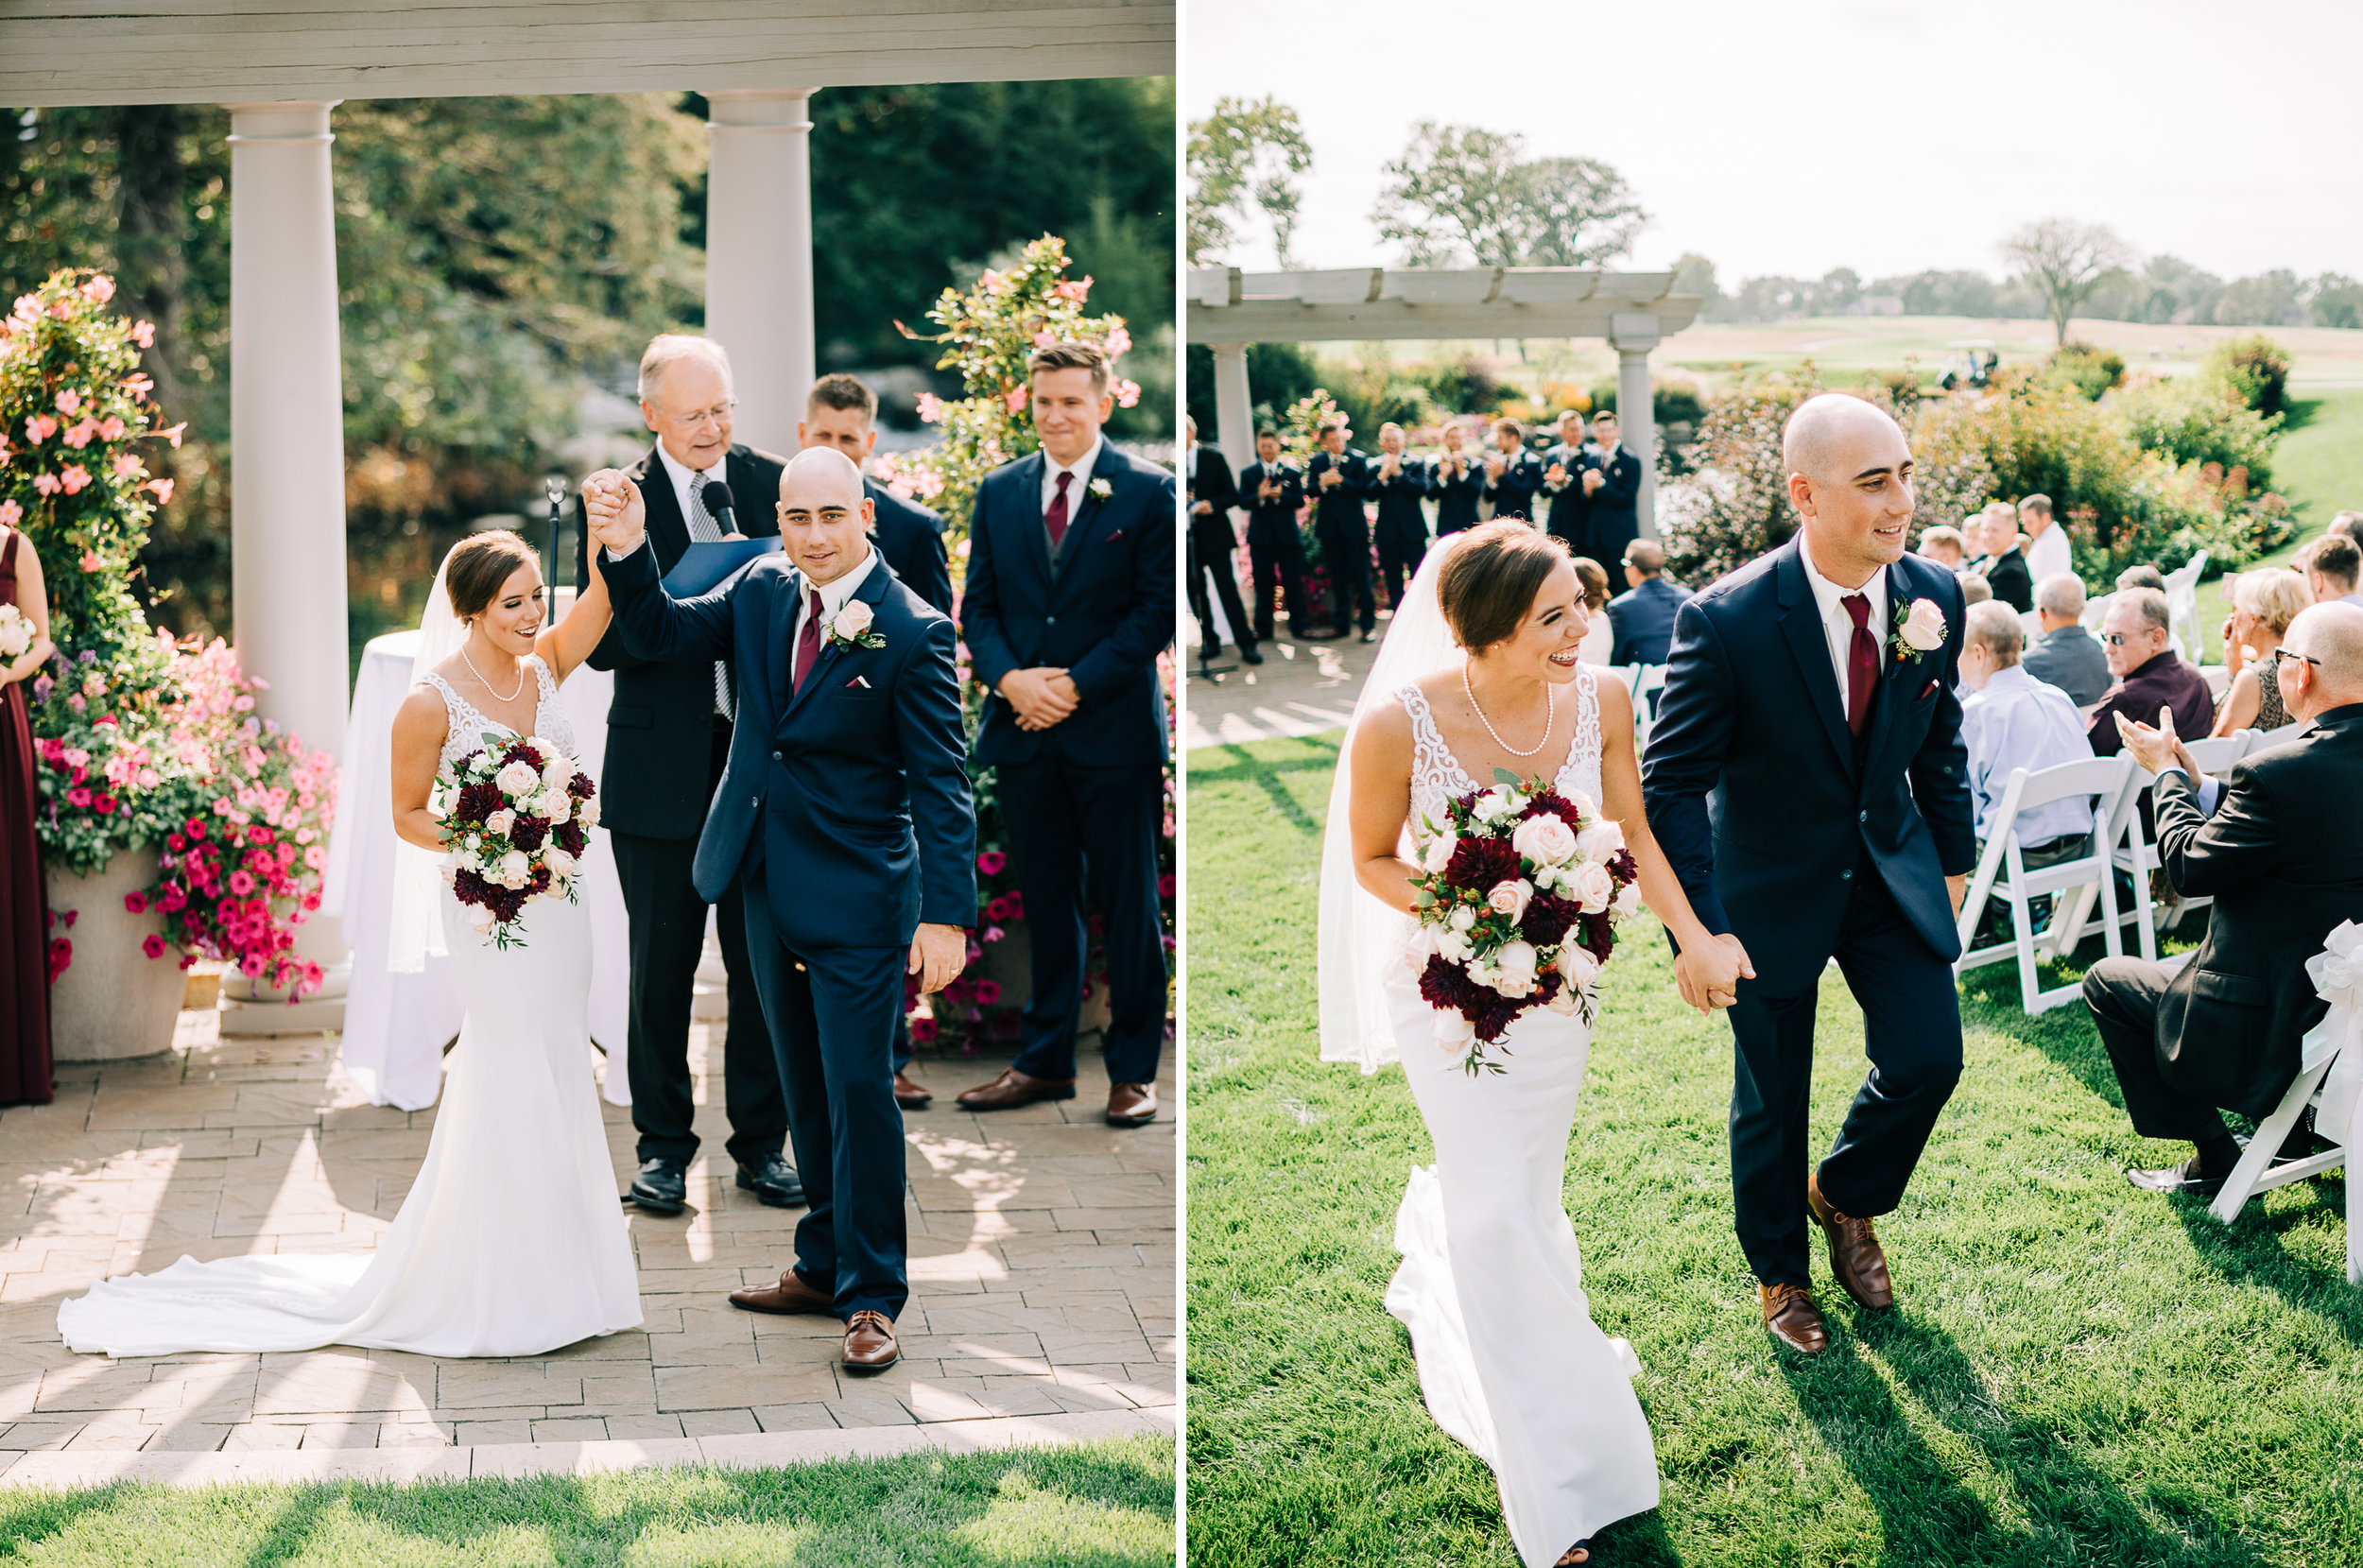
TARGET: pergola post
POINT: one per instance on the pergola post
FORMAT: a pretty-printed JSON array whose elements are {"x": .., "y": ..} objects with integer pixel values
[
  {"x": 1634, "y": 334},
  {"x": 759, "y": 256},
  {"x": 286, "y": 412},
  {"x": 1233, "y": 413}
]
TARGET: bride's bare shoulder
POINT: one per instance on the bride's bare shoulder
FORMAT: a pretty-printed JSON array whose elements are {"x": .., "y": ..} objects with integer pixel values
[{"x": 423, "y": 718}]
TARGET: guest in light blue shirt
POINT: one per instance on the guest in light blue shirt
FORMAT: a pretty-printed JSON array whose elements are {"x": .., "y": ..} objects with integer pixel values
[{"x": 2011, "y": 720}]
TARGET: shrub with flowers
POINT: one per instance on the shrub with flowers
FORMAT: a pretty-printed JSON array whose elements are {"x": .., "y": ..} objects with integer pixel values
[
  {"x": 141, "y": 743},
  {"x": 988, "y": 335}
]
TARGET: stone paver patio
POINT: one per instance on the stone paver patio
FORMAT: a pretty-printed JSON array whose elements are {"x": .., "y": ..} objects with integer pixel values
[{"x": 1042, "y": 1277}]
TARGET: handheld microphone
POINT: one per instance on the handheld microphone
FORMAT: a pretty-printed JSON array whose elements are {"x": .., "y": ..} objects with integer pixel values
[{"x": 716, "y": 496}]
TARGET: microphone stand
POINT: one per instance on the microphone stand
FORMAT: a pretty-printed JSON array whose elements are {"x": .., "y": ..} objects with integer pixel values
[{"x": 555, "y": 487}]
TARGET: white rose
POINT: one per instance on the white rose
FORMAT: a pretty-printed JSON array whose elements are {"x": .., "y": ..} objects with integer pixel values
[
  {"x": 1490, "y": 807},
  {"x": 852, "y": 619},
  {"x": 501, "y": 822},
  {"x": 1417, "y": 946},
  {"x": 588, "y": 813},
  {"x": 1547, "y": 839},
  {"x": 1453, "y": 1032},
  {"x": 1601, "y": 840},
  {"x": 1584, "y": 804},
  {"x": 515, "y": 869},
  {"x": 1577, "y": 966},
  {"x": 1454, "y": 946},
  {"x": 553, "y": 806},
  {"x": 1923, "y": 626},
  {"x": 1439, "y": 853},
  {"x": 560, "y": 862},
  {"x": 1592, "y": 887},
  {"x": 1628, "y": 900},
  {"x": 480, "y": 918},
  {"x": 1562, "y": 1002},
  {"x": 518, "y": 779},
  {"x": 1515, "y": 962},
  {"x": 1509, "y": 898},
  {"x": 1463, "y": 919}
]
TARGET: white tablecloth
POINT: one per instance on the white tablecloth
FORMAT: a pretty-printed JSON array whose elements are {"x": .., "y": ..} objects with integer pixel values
[{"x": 395, "y": 1024}]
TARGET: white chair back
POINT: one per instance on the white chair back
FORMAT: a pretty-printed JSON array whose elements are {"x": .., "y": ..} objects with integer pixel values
[
  {"x": 2265, "y": 740},
  {"x": 2002, "y": 872},
  {"x": 1648, "y": 686},
  {"x": 2183, "y": 601}
]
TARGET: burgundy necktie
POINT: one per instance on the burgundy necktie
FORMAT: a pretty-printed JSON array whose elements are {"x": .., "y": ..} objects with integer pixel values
[
  {"x": 1056, "y": 519},
  {"x": 809, "y": 639},
  {"x": 1862, "y": 664}
]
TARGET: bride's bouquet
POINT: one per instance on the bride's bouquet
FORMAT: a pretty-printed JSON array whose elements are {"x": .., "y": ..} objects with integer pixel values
[
  {"x": 1518, "y": 902},
  {"x": 517, "y": 815},
  {"x": 16, "y": 632}
]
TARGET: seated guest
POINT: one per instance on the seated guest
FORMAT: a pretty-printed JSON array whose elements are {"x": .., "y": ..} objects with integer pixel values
[
  {"x": 2348, "y": 524},
  {"x": 2144, "y": 576},
  {"x": 2331, "y": 564},
  {"x": 1642, "y": 617},
  {"x": 2046, "y": 542},
  {"x": 2223, "y": 1032},
  {"x": 2004, "y": 567},
  {"x": 1943, "y": 546},
  {"x": 2011, "y": 720},
  {"x": 1597, "y": 636},
  {"x": 2068, "y": 657},
  {"x": 2264, "y": 602},
  {"x": 2149, "y": 674},
  {"x": 1976, "y": 589}
]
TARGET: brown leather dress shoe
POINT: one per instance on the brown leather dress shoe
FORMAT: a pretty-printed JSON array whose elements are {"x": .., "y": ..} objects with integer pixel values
[
  {"x": 1855, "y": 1256},
  {"x": 791, "y": 1295},
  {"x": 1013, "y": 1089},
  {"x": 1131, "y": 1104},
  {"x": 1795, "y": 1321},
  {"x": 910, "y": 1096},
  {"x": 869, "y": 1345}
]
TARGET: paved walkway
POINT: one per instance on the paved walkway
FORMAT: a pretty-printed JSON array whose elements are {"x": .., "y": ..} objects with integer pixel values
[
  {"x": 1300, "y": 689},
  {"x": 1043, "y": 1271}
]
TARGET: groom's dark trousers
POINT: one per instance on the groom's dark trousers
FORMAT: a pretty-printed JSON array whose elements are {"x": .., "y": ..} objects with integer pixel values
[
  {"x": 846, "y": 809},
  {"x": 1810, "y": 844}
]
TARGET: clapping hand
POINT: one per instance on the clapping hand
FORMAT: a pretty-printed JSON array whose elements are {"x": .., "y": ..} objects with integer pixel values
[
  {"x": 1593, "y": 480},
  {"x": 1708, "y": 972},
  {"x": 1556, "y": 476},
  {"x": 1331, "y": 478},
  {"x": 1268, "y": 489},
  {"x": 2156, "y": 749},
  {"x": 616, "y": 515}
]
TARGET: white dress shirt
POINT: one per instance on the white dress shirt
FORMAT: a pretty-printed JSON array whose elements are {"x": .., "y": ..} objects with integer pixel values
[
  {"x": 1837, "y": 625},
  {"x": 2017, "y": 721},
  {"x": 1081, "y": 468},
  {"x": 2047, "y": 556},
  {"x": 832, "y": 597}
]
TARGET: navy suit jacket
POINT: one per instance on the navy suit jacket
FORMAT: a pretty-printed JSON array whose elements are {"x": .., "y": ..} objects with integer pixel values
[
  {"x": 1103, "y": 616},
  {"x": 1266, "y": 522},
  {"x": 1401, "y": 515},
  {"x": 1640, "y": 622},
  {"x": 854, "y": 788},
  {"x": 1514, "y": 492},
  {"x": 1612, "y": 508},
  {"x": 1340, "y": 505},
  {"x": 1756, "y": 790},
  {"x": 910, "y": 541},
  {"x": 1456, "y": 499},
  {"x": 1569, "y": 507}
]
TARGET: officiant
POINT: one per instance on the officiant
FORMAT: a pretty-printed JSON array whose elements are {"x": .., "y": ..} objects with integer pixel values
[{"x": 669, "y": 732}]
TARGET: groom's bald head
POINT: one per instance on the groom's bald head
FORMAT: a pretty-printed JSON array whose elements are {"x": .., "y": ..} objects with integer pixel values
[
  {"x": 824, "y": 516},
  {"x": 1834, "y": 433},
  {"x": 1850, "y": 477}
]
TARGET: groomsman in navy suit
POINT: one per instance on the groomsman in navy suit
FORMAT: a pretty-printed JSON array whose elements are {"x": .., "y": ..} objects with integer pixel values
[
  {"x": 1611, "y": 484},
  {"x": 1338, "y": 477},
  {"x": 1399, "y": 485},
  {"x": 845, "y": 810},
  {"x": 1273, "y": 493},
  {"x": 1563, "y": 480},
  {"x": 1069, "y": 601},
  {"x": 1458, "y": 481},
  {"x": 1213, "y": 546},
  {"x": 1512, "y": 473},
  {"x": 842, "y": 412}
]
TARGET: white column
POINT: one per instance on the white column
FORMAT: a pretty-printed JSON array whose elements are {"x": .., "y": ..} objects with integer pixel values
[
  {"x": 1635, "y": 335},
  {"x": 286, "y": 429},
  {"x": 1233, "y": 413},
  {"x": 759, "y": 255}
]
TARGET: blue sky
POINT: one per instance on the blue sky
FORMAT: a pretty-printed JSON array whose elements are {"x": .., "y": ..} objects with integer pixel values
[{"x": 1797, "y": 135}]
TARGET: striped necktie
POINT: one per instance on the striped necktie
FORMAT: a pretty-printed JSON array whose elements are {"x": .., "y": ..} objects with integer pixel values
[{"x": 704, "y": 528}]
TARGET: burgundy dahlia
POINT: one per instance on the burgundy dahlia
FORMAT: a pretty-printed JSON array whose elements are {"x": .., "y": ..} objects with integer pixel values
[{"x": 1480, "y": 863}]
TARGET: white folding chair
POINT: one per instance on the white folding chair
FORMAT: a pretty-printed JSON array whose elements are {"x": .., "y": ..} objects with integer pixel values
[
  {"x": 2140, "y": 856},
  {"x": 2338, "y": 1039},
  {"x": 2265, "y": 740},
  {"x": 2002, "y": 872},
  {"x": 1648, "y": 684},
  {"x": 2183, "y": 601}
]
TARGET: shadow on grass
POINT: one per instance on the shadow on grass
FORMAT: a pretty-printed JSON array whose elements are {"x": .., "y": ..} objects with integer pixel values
[
  {"x": 2250, "y": 1251},
  {"x": 1927, "y": 1514},
  {"x": 29, "y": 1517},
  {"x": 1320, "y": 756}
]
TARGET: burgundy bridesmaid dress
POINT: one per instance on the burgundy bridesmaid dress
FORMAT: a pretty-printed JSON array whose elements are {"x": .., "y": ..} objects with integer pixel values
[{"x": 23, "y": 906}]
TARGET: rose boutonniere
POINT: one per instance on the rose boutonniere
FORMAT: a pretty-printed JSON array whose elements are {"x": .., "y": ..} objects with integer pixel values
[
  {"x": 1099, "y": 489},
  {"x": 1919, "y": 629},
  {"x": 850, "y": 627}
]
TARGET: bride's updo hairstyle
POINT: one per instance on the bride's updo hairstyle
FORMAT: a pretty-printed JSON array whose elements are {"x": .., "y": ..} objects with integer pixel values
[
  {"x": 1488, "y": 583},
  {"x": 479, "y": 565}
]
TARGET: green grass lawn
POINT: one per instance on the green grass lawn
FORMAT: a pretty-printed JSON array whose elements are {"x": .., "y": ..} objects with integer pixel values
[
  {"x": 2078, "y": 1373},
  {"x": 1104, "y": 1504}
]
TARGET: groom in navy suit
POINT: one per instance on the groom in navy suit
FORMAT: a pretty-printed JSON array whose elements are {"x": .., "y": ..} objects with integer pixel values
[
  {"x": 1807, "y": 780},
  {"x": 1069, "y": 601},
  {"x": 845, "y": 808}
]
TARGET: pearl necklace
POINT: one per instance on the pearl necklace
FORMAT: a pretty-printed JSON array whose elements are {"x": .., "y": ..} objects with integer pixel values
[
  {"x": 518, "y": 689},
  {"x": 1550, "y": 716}
]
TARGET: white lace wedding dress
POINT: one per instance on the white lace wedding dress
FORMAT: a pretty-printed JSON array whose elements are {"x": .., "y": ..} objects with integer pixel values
[
  {"x": 511, "y": 1241},
  {"x": 1492, "y": 1283}
]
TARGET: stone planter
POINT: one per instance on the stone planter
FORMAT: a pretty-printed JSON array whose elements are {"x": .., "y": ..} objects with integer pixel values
[{"x": 113, "y": 1001}]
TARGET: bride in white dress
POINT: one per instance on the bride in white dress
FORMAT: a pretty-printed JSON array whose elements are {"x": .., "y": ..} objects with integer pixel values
[
  {"x": 1491, "y": 1286},
  {"x": 511, "y": 1241}
]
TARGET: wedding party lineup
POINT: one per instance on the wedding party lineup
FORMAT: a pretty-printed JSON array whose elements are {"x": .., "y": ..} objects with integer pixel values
[{"x": 1179, "y": 783}]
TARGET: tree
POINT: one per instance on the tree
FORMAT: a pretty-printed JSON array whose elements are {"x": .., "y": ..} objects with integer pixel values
[
  {"x": 1245, "y": 152},
  {"x": 2334, "y": 300},
  {"x": 1461, "y": 193},
  {"x": 1695, "y": 274},
  {"x": 2065, "y": 262}
]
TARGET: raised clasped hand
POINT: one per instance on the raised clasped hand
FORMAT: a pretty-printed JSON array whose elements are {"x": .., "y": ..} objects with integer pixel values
[
  {"x": 1708, "y": 972},
  {"x": 612, "y": 510}
]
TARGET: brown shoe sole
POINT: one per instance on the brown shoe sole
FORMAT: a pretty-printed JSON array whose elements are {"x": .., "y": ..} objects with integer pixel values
[
  {"x": 869, "y": 1368},
  {"x": 780, "y": 1311},
  {"x": 1142, "y": 1120},
  {"x": 1031, "y": 1095}
]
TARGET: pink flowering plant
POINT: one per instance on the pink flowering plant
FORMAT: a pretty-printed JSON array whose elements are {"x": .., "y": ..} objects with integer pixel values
[{"x": 988, "y": 335}]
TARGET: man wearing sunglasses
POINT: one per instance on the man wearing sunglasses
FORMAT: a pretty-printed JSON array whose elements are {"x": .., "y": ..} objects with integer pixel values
[
  {"x": 2149, "y": 674},
  {"x": 2284, "y": 865}
]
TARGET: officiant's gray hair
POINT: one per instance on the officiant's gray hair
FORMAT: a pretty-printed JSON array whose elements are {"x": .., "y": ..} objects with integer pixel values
[{"x": 669, "y": 349}]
